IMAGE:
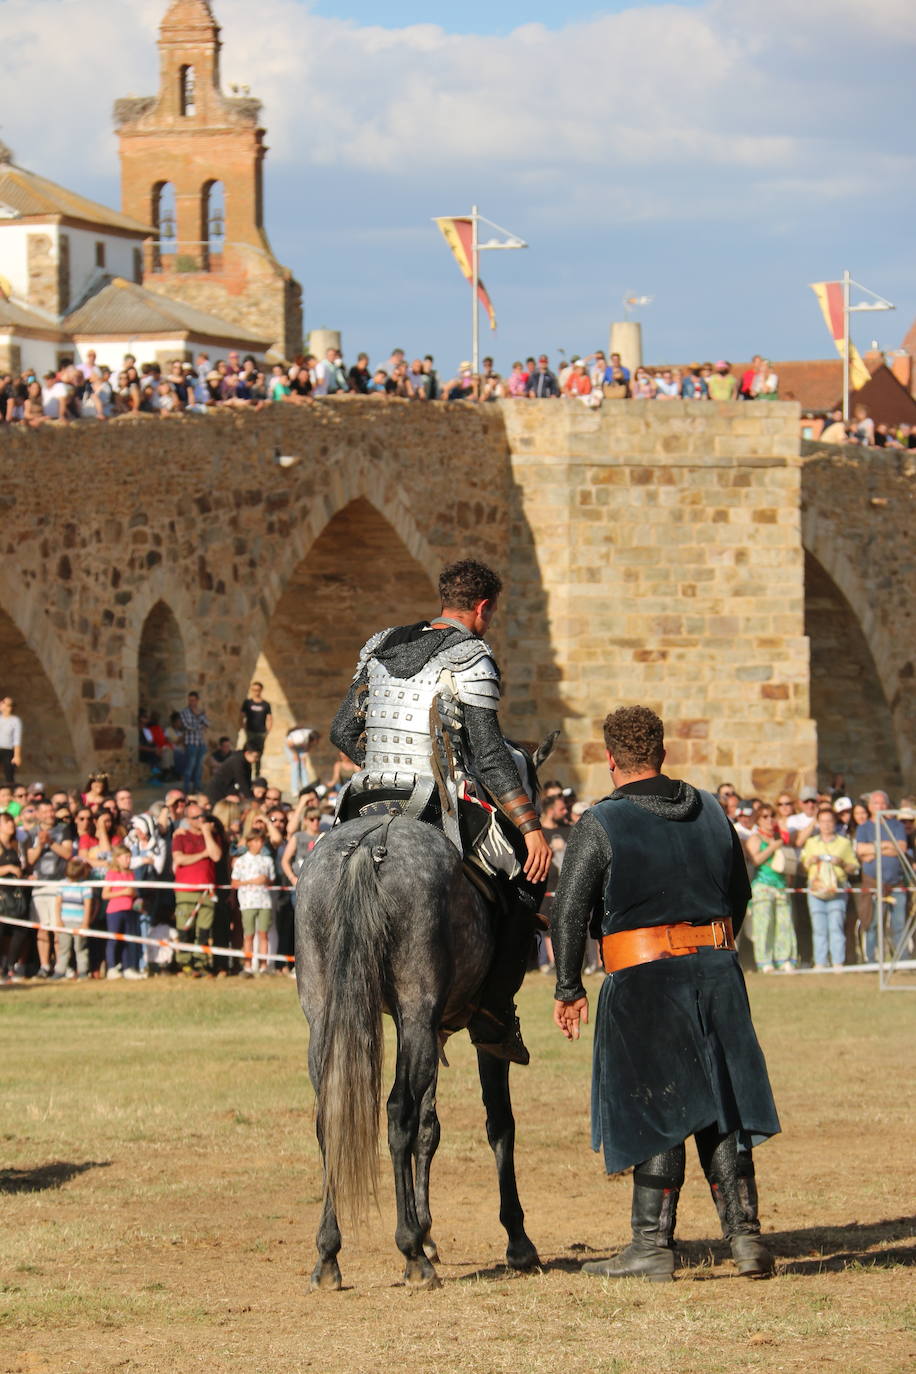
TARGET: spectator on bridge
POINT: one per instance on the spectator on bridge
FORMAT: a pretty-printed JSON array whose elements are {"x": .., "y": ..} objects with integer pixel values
[
  {"x": 694, "y": 387},
  {"x": 722, "y": 385},
  {"x": 195, "y": 724},
  {"x": 10, "y": 740},
  {"x": 643, "y": 386},
  {"x": 578, "y": 383},
  {"x": 771, "y": 911},
  {"x": 863, "y": 427},
  {"x": 541, "y": 382},
  {"x": 829, "y": 862},
  {"x": 256, "y": 719},
  {"x": 517, "y": 381},
  {"x": 765, "y": 386}
]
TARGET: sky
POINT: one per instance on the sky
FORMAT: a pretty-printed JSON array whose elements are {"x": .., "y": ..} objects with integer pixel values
[{"x": 716, "y": 157}]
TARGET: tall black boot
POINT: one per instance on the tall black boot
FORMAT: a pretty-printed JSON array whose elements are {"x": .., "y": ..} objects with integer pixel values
[
  {"x": 733, "y": 1185},
  {"x": 494, "y": 1026},
  {"x": 650, "y": 1254}
]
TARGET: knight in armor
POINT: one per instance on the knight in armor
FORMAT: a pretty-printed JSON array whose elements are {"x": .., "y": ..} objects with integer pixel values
[
  {"x": 421, "y": 719},
  {"x": 659, "y": 871}
]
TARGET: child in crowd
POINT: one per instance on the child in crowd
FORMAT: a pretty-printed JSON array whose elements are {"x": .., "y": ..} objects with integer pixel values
[
  {"x": 252, "y": 875},
  {"x": 120, "y": 898},
  {"x": 73, "y": 911}
]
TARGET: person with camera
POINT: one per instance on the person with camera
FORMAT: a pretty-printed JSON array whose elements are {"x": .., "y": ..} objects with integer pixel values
[
  {"x": 47, "y": 854},
  {"x": 195, "y": 853},
  {"x": 771, "y": 910},
  {"x": 829, "y": 862}
]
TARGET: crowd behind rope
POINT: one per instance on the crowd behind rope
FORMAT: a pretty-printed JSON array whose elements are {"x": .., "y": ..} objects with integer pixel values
[
  {"x": 91, "y": 391},
  {"x": 225, "y": 844}
]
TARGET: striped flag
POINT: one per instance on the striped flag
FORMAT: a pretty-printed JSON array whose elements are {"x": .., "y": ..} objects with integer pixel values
[
  {"x": 459, "y": 235},
  {"x": 830, "y": 299}
]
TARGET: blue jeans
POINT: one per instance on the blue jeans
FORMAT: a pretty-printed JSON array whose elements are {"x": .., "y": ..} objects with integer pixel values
[
  {"x": 193, "y": 766},
  {"x": 828, "y": 928},
  {"x": 898, "y": 923}
]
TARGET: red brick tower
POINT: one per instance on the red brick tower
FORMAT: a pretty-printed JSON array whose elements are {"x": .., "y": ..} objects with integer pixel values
[{"x": 192, "y": 165}]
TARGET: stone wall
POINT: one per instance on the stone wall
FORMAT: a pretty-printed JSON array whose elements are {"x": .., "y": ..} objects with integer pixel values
[{"x": 652, "y": 553}]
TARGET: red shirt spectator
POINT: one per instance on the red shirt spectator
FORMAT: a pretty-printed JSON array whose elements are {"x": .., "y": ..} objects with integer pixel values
[{"x": 199, "y": 874}]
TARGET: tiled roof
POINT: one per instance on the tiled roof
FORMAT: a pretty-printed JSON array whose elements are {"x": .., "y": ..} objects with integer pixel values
[
  {"x": 26, "y": 193},
  {"x": 14, "y": 316},
  {"x": 123, "y": 308}
]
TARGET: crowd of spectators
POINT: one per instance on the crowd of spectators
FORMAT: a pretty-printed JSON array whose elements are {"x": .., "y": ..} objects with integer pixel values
[
  {"x": 226, "y": 845},
  {"x": 92, "y": 391}
]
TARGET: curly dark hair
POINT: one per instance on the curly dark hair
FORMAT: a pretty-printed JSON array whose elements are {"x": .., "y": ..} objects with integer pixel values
[
  {"x": 463, "y": 584},
  {"x": 636, "y": 738}
]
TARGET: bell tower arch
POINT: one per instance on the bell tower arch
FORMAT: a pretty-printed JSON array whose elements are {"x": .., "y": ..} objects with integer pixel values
[{"x": 192, "y": 136}]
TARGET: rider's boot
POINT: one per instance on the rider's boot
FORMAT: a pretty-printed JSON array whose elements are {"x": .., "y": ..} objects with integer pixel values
[
  {"x": 494, "y": 1026},
  {"x": 733, "y": 1185}
]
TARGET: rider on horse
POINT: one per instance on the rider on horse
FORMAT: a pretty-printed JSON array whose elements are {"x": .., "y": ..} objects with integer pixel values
[{"x": 421, "y": 720}]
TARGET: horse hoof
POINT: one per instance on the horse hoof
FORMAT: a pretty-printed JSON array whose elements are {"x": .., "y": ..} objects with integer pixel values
[
  {"x": 523, "y": 1258},
  {"x": 431, "y": 1250},
  {"x": 420, "y": 1276},
  {"x": 326, "y": 1274}
]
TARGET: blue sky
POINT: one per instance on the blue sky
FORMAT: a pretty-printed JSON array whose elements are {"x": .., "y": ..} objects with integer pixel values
[{"x": 715, "y": 157}]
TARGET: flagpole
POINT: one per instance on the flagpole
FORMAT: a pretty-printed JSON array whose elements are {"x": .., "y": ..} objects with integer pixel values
[
  {"x": 475, "y": 280},
  {"x": 846, "y": 282}
]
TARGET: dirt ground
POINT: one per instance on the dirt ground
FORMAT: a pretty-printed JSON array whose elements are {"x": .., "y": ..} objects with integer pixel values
[{"x": 160, "y": 1191}]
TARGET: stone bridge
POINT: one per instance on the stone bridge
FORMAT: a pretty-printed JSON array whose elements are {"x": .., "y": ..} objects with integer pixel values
[{"x": 684, "y": 557}]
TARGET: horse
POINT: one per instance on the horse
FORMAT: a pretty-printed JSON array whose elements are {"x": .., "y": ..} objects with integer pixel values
[{"x": 387, "y": 921}]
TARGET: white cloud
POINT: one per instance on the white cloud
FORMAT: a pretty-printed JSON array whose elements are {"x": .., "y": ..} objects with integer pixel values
[{"x": 658, "y": 110}]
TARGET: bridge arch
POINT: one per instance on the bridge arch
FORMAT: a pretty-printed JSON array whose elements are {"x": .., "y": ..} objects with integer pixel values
[
  {"x": 856, "y": 732},
  {"x": 319, "y": 621},
  {"x": 57, "y": 745},
  {"x": 162, "y": 671}
]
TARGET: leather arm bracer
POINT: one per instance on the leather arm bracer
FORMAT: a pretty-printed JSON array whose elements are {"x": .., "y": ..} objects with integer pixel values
[{"x": 519, "y": 808}]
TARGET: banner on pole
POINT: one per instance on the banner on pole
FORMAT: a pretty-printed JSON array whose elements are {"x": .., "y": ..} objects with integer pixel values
[
  {"x": 459, "y": 235},
  {"x": 830, "y": 299}
]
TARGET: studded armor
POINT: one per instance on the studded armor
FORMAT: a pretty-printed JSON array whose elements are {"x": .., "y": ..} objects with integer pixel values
[{"x": 397, "y": 710}]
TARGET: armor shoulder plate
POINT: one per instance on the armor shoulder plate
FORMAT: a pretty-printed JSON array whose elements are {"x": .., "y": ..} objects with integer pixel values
[
  {"x": 369, "y": 649},
  {"x": 474, "y": 673}
]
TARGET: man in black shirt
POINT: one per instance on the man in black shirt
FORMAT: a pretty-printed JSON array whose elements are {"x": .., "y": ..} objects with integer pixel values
[
  {"x": 675, "y": 1052},
  {"x": 233, "y": 776},
  {"x": 256, "y": 720}
]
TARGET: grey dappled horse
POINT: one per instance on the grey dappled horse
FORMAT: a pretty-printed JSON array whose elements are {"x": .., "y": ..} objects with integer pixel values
[{"x": 386, "y": 921}]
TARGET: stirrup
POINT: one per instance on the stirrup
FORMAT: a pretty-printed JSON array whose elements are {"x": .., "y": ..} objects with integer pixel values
[{"x": 511, "y": 1047}]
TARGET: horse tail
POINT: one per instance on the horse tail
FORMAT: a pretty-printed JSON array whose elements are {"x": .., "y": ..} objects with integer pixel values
[{"x": 350, "y": 1079}]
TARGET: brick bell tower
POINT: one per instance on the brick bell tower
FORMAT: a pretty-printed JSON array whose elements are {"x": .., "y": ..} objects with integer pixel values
[{"x": 192, "y": 162}]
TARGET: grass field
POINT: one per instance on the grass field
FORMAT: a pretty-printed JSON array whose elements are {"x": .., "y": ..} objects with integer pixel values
[{"x": 160, "y": 1191}]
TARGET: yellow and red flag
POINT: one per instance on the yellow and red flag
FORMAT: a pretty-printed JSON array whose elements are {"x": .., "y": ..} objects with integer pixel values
[
  {"x": 459, "y": 235},
  {"x": 830, "y": 299}
]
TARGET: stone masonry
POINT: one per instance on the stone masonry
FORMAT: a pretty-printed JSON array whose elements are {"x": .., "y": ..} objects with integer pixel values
[{"x": 651, "y": 553}]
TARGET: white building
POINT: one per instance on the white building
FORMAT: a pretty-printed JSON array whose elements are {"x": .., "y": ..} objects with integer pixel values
[{"x": 69, "y": 282}]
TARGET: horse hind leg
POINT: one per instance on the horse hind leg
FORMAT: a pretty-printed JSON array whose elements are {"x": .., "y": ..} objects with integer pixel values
[
  {"x": 427, "y": 1144},
  {"x": 414, "y": 1085},
  {"x": 494, "y": 1082}
]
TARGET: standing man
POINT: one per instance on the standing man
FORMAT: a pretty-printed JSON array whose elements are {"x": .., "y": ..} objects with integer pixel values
[
  {"x": 675, "y": 1051},
  {"x": 10, "y": 741},
  {"x": 195, "y": 725},
  {"x": 256, "y": 720},
  {"x": 48, "y": 851},
  {"x": 870, "y": 900},
  {"x": 195, "y": 853},
  {"x": 542, "y": 382}
]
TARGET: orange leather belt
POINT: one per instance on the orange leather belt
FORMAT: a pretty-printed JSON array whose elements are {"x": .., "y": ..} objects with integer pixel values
[{"x": 644, "y": 946}]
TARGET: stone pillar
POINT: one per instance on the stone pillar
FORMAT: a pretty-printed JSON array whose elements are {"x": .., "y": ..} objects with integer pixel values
[
  {"x": 320, "y": 340},
  {"x": 626, "y": 339}
]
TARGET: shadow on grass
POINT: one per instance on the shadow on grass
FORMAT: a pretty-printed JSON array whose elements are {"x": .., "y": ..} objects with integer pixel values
[
  {"x": 46, "y": 1176},
  {"x": 822, "y": 1249},
  {"x": 813, "y": 1250}
]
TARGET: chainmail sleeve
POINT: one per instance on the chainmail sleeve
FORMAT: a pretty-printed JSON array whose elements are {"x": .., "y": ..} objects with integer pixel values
[
  {"x": 348, "y": 726},
  {"x": 492, "y": 761},
  {"x": 582, "y": 882}
]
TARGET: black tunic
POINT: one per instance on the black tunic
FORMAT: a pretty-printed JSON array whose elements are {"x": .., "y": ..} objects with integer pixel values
[{"x": 675, "y": 1048}]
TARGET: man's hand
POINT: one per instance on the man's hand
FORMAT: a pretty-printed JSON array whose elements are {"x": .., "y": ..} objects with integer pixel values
[
  {"x": 537, "y": 865},
  {"x": 570, "y": 1015}
]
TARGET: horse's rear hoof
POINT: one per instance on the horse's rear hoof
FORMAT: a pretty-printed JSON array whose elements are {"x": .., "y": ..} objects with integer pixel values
[
  {"x": 326, "y": 1274},
  {"x": 420, "y": 1276},
  {"x": 523, "y": 1257}
]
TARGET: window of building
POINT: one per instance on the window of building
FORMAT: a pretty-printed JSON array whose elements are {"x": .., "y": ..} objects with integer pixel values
[
  {"x": 186, "y": 91},
  {"x": 99, "y": 254}
]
